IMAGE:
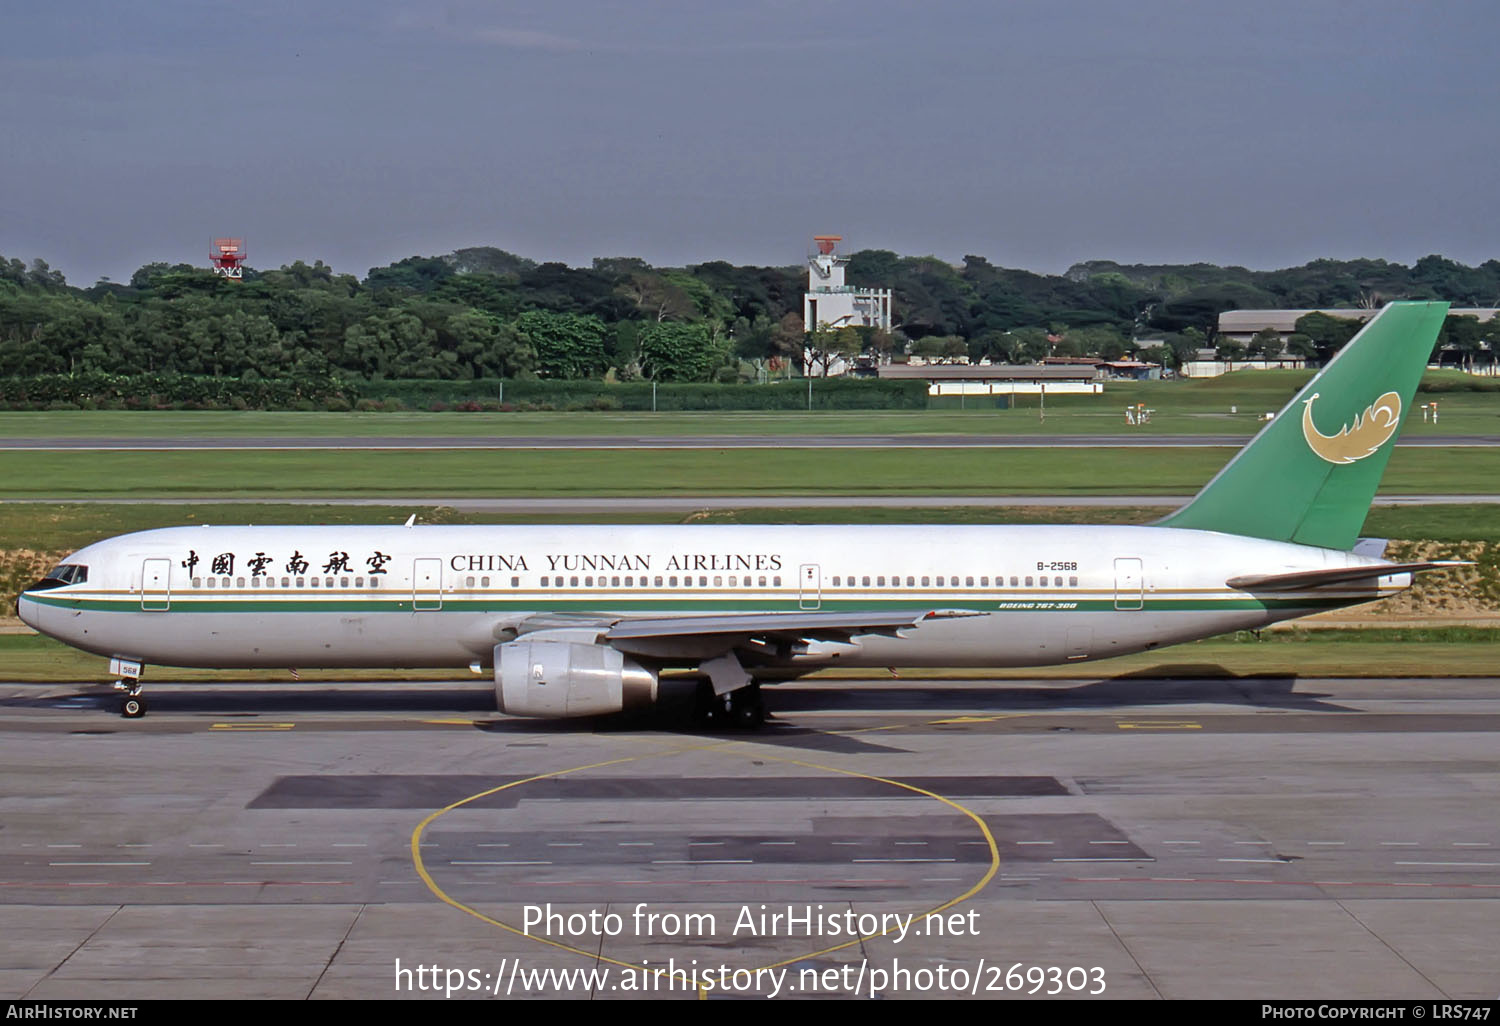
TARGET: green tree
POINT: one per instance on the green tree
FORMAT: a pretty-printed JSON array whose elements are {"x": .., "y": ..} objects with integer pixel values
[
  {"x": 680, "y": 352},
  {"x": 1264, "y": 345},
  {"x": 566, "y": 345}
]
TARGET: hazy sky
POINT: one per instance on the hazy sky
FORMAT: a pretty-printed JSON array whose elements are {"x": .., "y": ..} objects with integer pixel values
[{"x": 1036, "y": 134}]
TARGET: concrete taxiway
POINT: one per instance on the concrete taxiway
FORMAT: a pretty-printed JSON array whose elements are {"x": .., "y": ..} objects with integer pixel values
[{"x": 1251, "y": 838}]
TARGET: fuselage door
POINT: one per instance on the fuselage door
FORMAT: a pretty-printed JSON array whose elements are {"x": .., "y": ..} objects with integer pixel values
[
  {"x": 1130, "y": 590},
  {"x": 811, "y": 596},
  {"x": 427, "y": 585},
  {"x": 156, "y": 585}
]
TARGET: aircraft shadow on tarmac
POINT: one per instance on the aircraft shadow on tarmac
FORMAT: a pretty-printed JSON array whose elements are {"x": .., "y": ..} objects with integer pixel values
[{"x": 1157, "y": 686}]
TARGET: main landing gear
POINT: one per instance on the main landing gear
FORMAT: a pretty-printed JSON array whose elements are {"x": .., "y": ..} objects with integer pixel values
[
  {"x": 742, "y": 708},
  {"x": 133, "y": 705}
]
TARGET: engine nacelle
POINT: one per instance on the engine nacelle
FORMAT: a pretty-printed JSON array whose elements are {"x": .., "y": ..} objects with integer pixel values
[{"x": 568, "y": 678}]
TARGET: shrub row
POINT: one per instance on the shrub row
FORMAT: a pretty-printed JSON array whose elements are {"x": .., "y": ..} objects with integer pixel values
[
  {"x": 166, "y": 391},
  {"x": 827, "y": 394},
  {"x": 171, "y": 391}
]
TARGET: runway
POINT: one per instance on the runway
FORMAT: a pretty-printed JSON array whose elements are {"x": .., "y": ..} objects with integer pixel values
[
  {"x": 1253, "y": 838},
  {"x": 542, "y": 442}
]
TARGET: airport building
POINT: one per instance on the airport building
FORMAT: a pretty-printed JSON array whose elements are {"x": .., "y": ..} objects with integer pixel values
[
  {"x": 1243, "y": 325},
  {"x": 997, "y": 380}
]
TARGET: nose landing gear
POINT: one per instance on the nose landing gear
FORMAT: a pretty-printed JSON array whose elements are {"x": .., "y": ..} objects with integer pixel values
[{"x": 133, "y": 705}]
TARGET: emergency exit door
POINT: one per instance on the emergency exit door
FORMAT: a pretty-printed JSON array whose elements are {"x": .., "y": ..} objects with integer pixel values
[
  {"x": 427, "y": 585},
  {"x": 1130, "y": 590},
  {"x": 156, "y": 585},
  {"x": 811, "y": 594}
]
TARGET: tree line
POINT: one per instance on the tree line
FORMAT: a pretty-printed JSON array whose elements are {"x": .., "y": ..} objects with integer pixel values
[{"x": 483, "y": 313}]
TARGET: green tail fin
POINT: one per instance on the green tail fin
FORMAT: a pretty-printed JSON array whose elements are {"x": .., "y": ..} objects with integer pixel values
[{"x": 1310, "y": 475}]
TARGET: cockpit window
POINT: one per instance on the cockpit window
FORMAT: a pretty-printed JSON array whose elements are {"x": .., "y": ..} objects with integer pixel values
[{"x": 62, "y": 576}]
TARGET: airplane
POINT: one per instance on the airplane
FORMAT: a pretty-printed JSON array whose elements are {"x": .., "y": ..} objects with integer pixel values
[{"x": 581, "y": 620}]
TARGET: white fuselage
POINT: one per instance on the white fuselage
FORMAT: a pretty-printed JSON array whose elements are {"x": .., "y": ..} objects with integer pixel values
[{"x": 445, "y": 596}]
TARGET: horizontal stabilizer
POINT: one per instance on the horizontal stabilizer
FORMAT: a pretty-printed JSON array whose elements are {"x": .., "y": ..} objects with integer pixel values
[{"x": 1341, "y": 575}]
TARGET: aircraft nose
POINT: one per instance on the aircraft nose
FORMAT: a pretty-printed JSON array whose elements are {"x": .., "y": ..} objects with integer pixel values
[{"x": 29, "y": 611}]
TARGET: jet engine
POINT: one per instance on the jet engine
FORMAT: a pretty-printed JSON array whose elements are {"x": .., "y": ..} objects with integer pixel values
[{"x": 568, "y": 678}]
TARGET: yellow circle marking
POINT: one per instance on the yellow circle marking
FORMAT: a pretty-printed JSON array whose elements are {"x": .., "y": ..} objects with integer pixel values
[{"x": 718, "y": 747}]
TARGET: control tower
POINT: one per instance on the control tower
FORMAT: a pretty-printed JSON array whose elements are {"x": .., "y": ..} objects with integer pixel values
[{"x": 829, "y": 303}]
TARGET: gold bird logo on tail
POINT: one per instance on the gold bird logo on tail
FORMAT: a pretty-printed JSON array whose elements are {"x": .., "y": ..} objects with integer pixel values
[{"x": 1353, "y": 442}]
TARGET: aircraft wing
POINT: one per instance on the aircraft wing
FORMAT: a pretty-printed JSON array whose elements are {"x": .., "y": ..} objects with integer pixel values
[
  {"x": 809, "y": 624},
  {"x": 1341, "y": 575}
]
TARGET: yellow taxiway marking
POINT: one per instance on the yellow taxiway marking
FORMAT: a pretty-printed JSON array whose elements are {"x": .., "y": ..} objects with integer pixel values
[
  {"x": 252, "y": 726},
  {"x": 1161, "y": 725},
  {"x": 977, "y": 719},
  {"x": 717, "y": 748},
  {"x": 451, "y": 723}
]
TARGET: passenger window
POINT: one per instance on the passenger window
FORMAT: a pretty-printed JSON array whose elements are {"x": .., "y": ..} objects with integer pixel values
[
  {"x": 343, "y": 582},
  {"x": 734, "y": 582},
  {"x": 911, "y": 582},
  {"x": 835, "y": 582},
  {"x": 984, "y": 582},
  {"x": 939, "y": 582},
  {"x": 572, "y": 582},
  {"x": 588, "y": 582},
  {"x": 762, "y": 582},
  {"x": 484, "y": 582},
  {"x": 658, "y": 582},
  {"x": 255, "y": 582},
  {"x": 239, "y": 582},
  {"x": 672, "y": 581},
  {"x": 213, "y": 582},
  {"x": 328, "y": 582},
  {"x": 614, "y": 582},
  {"x": 687, "y": 582},
  {"x": 880, "y": 582},
  {"x": 968, "y": 582},
  {"x": 926, "y": 581},
  {"x": 302, "y": 582},
  {"x": 1072, "y": 582},
  {"x": 1013, "y": 582},
  {"x": 1028, "y": 582},
  {"x": 515, "y": 582},
  {"x": 468, "y": 582},
  {"x": 197, "y": 582},
  {"x": 286, "y": 582},
  {"x": 776, "y": 581},
  {"x": 544, "y": 582}
]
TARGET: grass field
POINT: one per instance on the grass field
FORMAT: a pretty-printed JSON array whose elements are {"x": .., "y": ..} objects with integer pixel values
[
  {"x": 203, "y": 476},
  {"x": 1295, "y": 653},
  {"x": 1182, "y": 407}
]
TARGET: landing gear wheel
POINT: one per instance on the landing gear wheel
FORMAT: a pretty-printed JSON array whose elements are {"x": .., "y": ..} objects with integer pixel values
[
  {"x": 133, "y": 707},
  {"x": 742, "y": 709},
  {"x": 747, "y": 710}
]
